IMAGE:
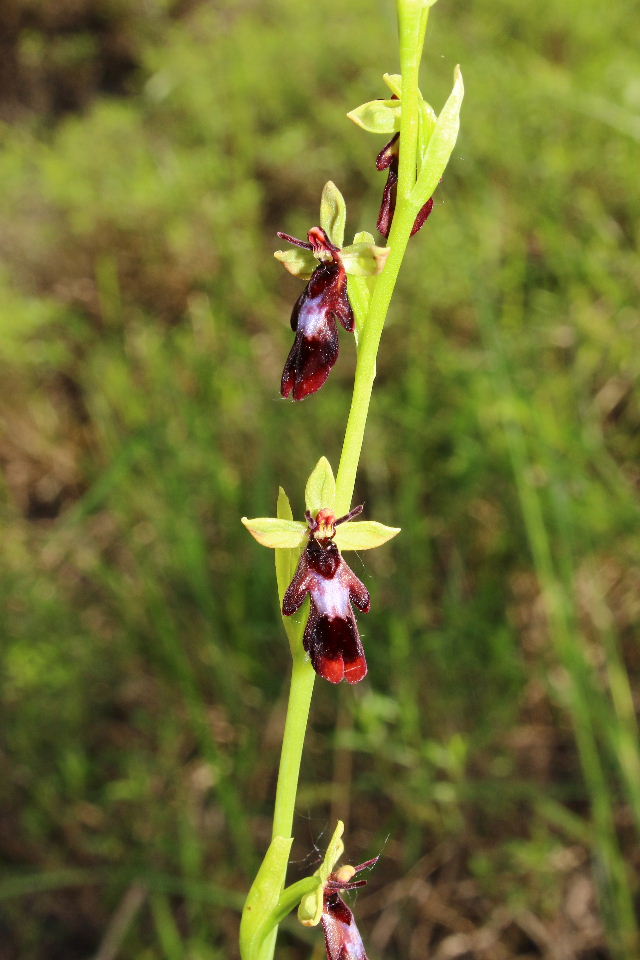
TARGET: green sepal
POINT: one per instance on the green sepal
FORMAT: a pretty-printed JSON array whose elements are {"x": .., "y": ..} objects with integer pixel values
[
  {"x": 441, "y": 143},
  {"x": 333, "y": 213},
  {"x": 320, "y": 491},
  {"x": 258, "y": 917},
  {"x": 274, "y": 532},
  {"x": 363, "y": 535},
  {"x": 364, "y": 259},
  {"x": 394, "y": 82},
  {"x": 310, "y": 909},
  {"x": 301, "y": 263},
  {"x": 377, "y": 116}
]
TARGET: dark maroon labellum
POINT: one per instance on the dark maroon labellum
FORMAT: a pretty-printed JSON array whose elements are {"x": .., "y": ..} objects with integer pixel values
[
  {"x": 331, "y": 635},
  {"x": 323, "y": 301},
  {"x": 341, "y": 935},
  {"x": 388, "y": 159}
]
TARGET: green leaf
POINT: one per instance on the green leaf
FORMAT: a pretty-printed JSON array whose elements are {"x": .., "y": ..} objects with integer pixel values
[
  {"x": 333, "y": 213},
  {"x": 363, "y": 535},
  {"x": 364, "y": 259},
  {"x": 272, "y": 532},
  {"x": 377, "y": 116},
  {"x": 258, "y": 916},
  {"x": 321, "y": 487},
  {"x": 310, "y": 909},
  {"x": 441, "y": 144},
  {"x": 394, "y": 82},
  {"x": 301, "y": 263}
]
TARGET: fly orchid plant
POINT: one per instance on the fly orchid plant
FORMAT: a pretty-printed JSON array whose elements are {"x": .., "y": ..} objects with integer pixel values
[{"x": 351, "y": 285}]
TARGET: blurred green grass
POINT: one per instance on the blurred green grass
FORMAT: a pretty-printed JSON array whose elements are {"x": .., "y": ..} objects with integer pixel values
[{"x": 493, "y": 753}]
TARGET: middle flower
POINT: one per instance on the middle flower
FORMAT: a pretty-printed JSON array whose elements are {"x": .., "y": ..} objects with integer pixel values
[
  {"x": 331, "y": 635},
  {"x": 313, "y": 319}
]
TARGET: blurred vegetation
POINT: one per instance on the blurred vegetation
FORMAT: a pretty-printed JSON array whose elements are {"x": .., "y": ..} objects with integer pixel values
[{"x": 148, "y": 154}]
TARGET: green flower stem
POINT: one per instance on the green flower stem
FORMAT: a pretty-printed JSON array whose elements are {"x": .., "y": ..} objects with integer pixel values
[
  {"x": 300, "y": 693},
  {"x": 412, "y": 21}
]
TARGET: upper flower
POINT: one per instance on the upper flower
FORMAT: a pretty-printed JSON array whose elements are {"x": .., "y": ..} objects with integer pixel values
[
  {"x": 436, "y": 140},
  {"x": 325, "y": 300}
]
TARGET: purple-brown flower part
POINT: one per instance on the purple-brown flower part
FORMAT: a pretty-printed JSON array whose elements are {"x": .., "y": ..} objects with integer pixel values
[
  {"x": 331, "y": 636},
  {"x": 388, "y": 159},
  {"x": 313, "y": 319},
  {"x": 341, "y": 935}
]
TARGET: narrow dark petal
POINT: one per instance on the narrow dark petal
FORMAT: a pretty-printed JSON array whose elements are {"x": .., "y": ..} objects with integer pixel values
[
  {"x": 349, "y": 516},
  {"x": 339, "y": 885},
  {"x": 295, "y": 241},
  {"x": 366, "y": 865}
]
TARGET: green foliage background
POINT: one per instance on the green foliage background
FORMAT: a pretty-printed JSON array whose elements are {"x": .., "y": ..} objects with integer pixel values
[{"x": 148, "y": 154}]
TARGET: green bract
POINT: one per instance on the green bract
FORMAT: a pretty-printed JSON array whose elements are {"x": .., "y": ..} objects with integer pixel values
[
  {"x": 333, "y": 213},
  {"x": 310, "y": 909},
  {"x": 377, "y": 116},
  {"x": 441, "y": 143},
  {"x": 364, "y": 259}
]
